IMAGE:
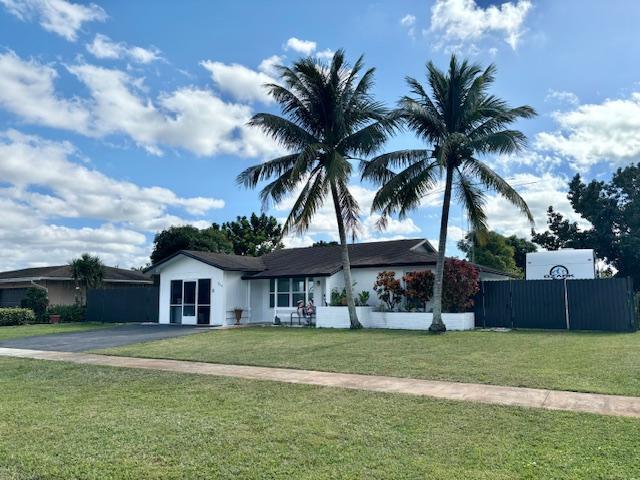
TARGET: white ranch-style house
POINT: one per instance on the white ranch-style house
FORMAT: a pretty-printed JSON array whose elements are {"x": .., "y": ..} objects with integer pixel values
[{"x": 204, "y": 288}]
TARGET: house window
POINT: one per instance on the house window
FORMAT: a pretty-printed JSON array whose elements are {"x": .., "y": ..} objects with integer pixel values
[{"x": 287, "y": 292}]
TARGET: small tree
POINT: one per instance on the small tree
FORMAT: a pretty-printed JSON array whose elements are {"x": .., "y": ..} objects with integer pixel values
[
  {"x": 37, "y": 300},
  {"x": 389, "y": 289},
  {"x": 461, "y": 283},
  {"x": 87, "y": 272},
  {"x": 419, "y": 286}
]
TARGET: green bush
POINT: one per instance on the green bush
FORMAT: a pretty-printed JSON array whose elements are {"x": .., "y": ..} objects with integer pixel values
[
  {"x": 37, "y": 300},
  {"x": 16, "y": 316},
  {"x": 68, "y": 313}
]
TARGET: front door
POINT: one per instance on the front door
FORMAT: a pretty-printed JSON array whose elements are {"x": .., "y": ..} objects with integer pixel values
[{"x": 189, "y": 302}]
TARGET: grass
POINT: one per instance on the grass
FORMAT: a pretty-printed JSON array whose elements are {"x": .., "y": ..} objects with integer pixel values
[
  {"x": 7, "y": 333},
  {"x": 578, "y": 361},
  {"x": 62, "y": 421}
]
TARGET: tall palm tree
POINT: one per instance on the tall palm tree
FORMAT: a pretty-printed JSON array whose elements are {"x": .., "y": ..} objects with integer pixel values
[
  {"x": 87, "y": 272},
  {"x": 460, "y": 121},
  {"x": 329, "y": 119}
]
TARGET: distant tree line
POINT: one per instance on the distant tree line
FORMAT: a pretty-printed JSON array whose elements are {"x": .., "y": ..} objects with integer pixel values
[{"x": 252, "y": 236}]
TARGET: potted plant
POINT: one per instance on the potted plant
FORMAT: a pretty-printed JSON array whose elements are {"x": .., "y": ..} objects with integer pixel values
[{"x": 238, "y": 314}]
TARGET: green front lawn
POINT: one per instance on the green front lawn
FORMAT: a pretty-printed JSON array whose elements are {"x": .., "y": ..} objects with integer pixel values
[
  {"x": 45, "y": 329},
  {"x": 580, "y": 361},
  {"x": 62, "y": 421}
]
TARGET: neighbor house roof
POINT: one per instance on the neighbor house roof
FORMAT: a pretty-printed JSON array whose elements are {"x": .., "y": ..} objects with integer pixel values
[
  {"x": 322, "y": 261},
  {"x": 63, "y": 272}
]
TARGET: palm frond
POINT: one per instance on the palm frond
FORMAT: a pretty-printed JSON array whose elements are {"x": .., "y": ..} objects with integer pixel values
[
  {"x": 284, "y": 131},
  {"x": 473, "y": 201},
  {"x": 491, "y": 180}
]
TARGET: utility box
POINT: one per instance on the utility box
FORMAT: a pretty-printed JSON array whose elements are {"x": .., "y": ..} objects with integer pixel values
[{"x": 561, "y": 264}]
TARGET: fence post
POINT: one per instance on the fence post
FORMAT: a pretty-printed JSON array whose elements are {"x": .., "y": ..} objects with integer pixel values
[{"x": 566, "y": 305}]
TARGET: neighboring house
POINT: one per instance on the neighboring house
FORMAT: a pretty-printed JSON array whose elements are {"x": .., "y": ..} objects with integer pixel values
[
  {"x": 59, "y": 283},
  {"x": 205, "y": 288}
]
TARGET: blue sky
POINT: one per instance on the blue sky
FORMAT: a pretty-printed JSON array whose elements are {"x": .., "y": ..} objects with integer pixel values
[{"x": 118, "y": 119}]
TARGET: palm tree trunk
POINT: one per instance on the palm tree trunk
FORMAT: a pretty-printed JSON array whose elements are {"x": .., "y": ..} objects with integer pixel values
[
  {"x": 437, "y": 325},
  {"x": 354, "y": 323}
]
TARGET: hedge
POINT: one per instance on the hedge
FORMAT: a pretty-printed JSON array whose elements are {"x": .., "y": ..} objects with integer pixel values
[
  {"x": 68, "y": 313},
  {"x": 16, "y": 316}
]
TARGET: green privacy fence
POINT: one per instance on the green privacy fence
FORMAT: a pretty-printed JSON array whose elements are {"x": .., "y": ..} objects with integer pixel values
[
  {"x": 124, "y": 304},
  {"x": 601, "y": 304}
]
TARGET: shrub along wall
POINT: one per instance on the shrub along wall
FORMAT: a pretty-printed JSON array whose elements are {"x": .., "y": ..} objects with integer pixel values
[
  {"x": 68, "y": 313},
  {"x": 16, "y": 316}
]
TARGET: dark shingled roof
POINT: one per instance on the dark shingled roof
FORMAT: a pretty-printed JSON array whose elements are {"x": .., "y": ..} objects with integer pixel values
[
  {"x": 322, "y": 261},
  {"x": 223, "y": 261},
  {"x": 326, "y": 260},
  {"x": 63, "y": 272}
]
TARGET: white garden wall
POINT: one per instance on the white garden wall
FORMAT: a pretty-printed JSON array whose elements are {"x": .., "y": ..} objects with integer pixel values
[{"x": 338, "y": 317}]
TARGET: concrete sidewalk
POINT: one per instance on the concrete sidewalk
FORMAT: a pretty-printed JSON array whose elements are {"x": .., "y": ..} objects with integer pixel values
[{"x": 492, "y": 394}]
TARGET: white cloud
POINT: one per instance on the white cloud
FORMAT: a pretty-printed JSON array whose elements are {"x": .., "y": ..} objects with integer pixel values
[
  {"x": 539, "y": 191},
  {"x": 58, "y": 16},
  {"x": 326, "y": 54},
  {"x": 191, "y": 118},
  {"x": 241, "y": 82},
  {"x": 27, "y": 90},
  {"x": 103, "y": 47},
  {"x": 305, "y": 47},
  {"x": 324, "y": 223},
  {"x": 594, "y": 133},
  {"x": 409, "y": 22},
  {"x": 45, "y": 186},
  {"x": 268, "y": 65},
  {"x": 463, "y": 21},
  {"x": 560, "y": 96}
]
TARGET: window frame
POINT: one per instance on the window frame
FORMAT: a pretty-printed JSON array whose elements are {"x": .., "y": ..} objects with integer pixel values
[{"x": 275, "y": 293}]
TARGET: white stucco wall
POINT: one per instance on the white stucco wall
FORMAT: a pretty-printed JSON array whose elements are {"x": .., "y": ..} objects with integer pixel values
[
  {"x": 185, "y": 268},
  {"x": 364, "y": 279},
  {"x": 338, "y": 317}
]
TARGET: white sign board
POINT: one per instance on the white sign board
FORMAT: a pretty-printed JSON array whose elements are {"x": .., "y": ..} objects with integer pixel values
[{"x": 561, "y": 264}]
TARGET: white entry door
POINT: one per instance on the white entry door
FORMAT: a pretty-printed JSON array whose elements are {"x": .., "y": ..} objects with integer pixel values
[{"x": 189, "y": 288}]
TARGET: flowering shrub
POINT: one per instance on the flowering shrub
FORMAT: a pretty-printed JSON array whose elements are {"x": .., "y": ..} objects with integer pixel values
[
  {"x": 461, "y": 283},
  {"x": 389, "y": 289},
  {"x": 419, "y": 287}
]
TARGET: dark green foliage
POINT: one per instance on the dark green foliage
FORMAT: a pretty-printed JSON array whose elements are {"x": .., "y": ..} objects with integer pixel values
[
  {"x": 68, "y": 313},
  {"x": 363, "y": 298},
  {"x": 87, "y": 272},
  {"x": 495, "y": 252},
  {"x": 338, "y": 298},
  {"x": 253, "y": 236},
  {"x": 37, "y": 300},
  {"x": 613, "y": 209},
  {"x": 323, "y": 243},
  {"x": 16, "y": 316},
  {"x": 188, "y": 237},
  {"x": 521, "y": 246}
]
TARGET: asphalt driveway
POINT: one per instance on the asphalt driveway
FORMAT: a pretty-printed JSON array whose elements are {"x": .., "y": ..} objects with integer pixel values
[{"x": 101, "y": 338}]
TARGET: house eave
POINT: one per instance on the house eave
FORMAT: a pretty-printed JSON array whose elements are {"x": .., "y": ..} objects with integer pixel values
[{"x": 67, "y": 279}]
